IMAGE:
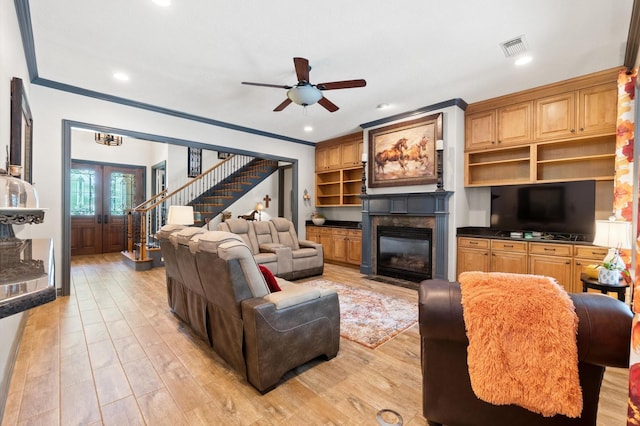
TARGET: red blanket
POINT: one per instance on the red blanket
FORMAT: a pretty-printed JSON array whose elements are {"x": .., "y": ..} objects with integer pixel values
[{"x": 522, "y": 342}]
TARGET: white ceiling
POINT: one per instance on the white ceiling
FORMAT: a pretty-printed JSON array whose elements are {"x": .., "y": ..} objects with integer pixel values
[{"x": 192, "y": 56}]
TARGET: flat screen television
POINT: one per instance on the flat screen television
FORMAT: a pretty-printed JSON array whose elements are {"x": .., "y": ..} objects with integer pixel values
[{"x": 566, "y": 207}]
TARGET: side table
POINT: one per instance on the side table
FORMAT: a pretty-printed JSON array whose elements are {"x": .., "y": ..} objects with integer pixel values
[{"x": 620, "y": 289}]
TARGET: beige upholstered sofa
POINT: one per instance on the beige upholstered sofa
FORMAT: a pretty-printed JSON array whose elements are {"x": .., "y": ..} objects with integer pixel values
[
  {"x": 214, "y": 285},
  {"x": 275, "y": 245}
]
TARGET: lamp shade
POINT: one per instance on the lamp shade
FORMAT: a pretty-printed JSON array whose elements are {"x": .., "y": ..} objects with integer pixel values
[
  {"x": 259, "y": 207},
  {"x": 304, "y": 95},
  {"x": 180, "y": 215},
  {"x": 611, "y": 233}
]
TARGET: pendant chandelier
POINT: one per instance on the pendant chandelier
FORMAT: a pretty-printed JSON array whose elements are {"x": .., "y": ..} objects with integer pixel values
[{"x": 109, "y": 140}]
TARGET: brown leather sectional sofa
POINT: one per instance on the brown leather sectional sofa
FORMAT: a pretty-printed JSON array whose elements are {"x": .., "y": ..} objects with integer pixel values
[{"x": 214, "y": 285}]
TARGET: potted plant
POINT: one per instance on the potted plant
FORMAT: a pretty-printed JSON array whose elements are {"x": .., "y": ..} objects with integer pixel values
[
  {"x": 317, "y": 218},
  {"x": 610, "y": 272}
]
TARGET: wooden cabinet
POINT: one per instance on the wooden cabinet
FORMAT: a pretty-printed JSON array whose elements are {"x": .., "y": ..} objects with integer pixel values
[
  {"x": 564, "y": 262},
  {"x": 498, "y": 127},
  {"x": 509, "y": 256},
  {"x": 474, "y": 254},
  {"x": 354, "y": 247},
  {"x": 514, "y": 124},
  {"x": 589, "y": 111},
  {"x": 339, "y": 171},
  {"x": 555, "y": 116},
  {"x": 597, "y": 109},
  {"x": 480, "y": 130},
  {"x": 552, "y": 260},
  {"x": 312, "y": 233},
  {"x": 564, "y": 131},
  {"x": 328, "y": 158},
  {"x": 351, "y": 152},
  {"x": 584, "y": 256},
  {"x": 340, "y": 245}
]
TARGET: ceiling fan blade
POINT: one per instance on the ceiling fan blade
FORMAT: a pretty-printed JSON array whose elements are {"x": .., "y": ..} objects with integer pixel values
[
  {"x": 283, "y": 105},
  {"x": 302, "y": 69},
  {"x": 330, "y": 106},
  {"x": 278, "y": 86},
  {"x": 347, "y": 84}
]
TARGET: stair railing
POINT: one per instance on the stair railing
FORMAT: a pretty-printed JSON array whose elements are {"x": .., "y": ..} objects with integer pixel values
[{"x": 140, "y": 222}]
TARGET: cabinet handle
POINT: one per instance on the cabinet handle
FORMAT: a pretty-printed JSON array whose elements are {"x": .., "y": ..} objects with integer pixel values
[
  {"x": 473, "y": 243},
  {"x": 549, "y": 249},
  {"x": 582, "y": 129},
  {"x": 579, "y": 263},
  {"x": 508, "y": 245},
  {"x": 573, "y": 130},
  {"x": 567, "y": 263}
]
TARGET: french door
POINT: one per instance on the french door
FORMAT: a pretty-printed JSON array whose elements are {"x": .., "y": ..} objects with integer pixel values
[{"x": 100, "y": 195}]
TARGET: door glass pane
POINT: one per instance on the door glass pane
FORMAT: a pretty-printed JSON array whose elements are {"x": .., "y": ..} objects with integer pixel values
[
  {"x": 123, "y": 190},
  {"x": 83, "y": 192}
]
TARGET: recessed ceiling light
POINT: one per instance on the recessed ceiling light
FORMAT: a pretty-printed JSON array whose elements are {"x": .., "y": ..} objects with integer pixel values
[
  {"x": 523, "y": 60},
  {"x": 163, "y": 3},
  {"x": 308, "y": 129},
  {"x": 120, "y": 76},
  {"x": 383, "y": 106}
]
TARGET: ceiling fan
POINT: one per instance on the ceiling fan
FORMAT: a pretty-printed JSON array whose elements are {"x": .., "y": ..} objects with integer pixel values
[{"x": 304, "y": 93}]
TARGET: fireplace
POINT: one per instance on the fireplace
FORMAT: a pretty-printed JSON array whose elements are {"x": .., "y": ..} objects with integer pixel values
[
  {"x": 425, "y": 213},
  {"x": 404, "y": 252}
]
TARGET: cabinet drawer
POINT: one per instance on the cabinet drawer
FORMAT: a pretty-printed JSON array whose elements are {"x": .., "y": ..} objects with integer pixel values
[
  {"x": 550, "y": 249},
  {"x": 507, "y": 245},
  {"x": 480, "y": 243},
  {"x": 590, "y": 252}
]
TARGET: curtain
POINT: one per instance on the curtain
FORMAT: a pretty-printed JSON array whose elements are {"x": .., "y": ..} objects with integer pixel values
[{"x": 624, "y": 184}]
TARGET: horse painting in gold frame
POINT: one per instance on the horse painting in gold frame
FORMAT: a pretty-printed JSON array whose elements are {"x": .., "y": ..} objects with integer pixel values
[{"x": 404, "y": 153}]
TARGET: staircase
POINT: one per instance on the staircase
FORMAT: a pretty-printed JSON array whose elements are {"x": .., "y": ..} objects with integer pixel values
[
  {"x": 219, "y": 197},
  {"x": 209, "y": 193}
]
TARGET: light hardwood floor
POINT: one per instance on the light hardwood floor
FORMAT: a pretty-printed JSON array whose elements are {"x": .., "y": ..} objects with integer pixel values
[{"x": 113, "y": 354}]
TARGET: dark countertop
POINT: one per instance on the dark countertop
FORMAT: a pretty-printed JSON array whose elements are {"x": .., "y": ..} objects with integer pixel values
[
  {"x": 560, "y": 238},
  {"x": 336, "y": 224},
  {"x": 26, "y": 274}
]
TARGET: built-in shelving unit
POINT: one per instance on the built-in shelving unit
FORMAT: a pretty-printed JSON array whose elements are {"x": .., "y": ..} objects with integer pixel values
[
  {"x": 339, "y": 171},
  {"x": 568, "y": 134}
]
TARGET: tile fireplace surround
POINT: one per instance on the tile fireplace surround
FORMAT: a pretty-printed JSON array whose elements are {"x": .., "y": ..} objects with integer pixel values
[{"x": 419, "y": 210}]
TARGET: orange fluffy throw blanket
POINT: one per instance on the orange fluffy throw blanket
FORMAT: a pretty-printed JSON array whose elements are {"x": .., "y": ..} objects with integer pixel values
[{"x": 522, "y": 342}]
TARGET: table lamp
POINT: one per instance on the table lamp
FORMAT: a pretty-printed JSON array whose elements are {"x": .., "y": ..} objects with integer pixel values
[
  {"x": 615, "y": 235},
  {"x": 259, "y": 208},
  {"x": 180, "y": 215}
]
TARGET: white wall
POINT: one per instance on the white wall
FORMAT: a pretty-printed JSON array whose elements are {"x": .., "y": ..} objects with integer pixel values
[
  {"x": 12, "y": 64},
  {"x": 50, "y": 107}
]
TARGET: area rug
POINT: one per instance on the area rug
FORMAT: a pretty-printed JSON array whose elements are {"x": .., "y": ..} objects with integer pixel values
[{"x": 370, "y": 318}]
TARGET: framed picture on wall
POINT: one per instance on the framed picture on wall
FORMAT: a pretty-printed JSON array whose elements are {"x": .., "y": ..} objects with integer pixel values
[
  {"x": 194, "y": 162},
  {"x": 223, "y": 155},
  {"x": 404, "y": 153},
  {"x": 20, "y": 155}
]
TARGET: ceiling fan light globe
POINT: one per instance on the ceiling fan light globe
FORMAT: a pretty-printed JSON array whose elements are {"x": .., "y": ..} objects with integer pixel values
[{"x": 304, "y": 95}]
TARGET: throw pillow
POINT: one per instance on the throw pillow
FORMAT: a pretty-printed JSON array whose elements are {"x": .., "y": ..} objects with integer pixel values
[{"x": 270, "y": 279}]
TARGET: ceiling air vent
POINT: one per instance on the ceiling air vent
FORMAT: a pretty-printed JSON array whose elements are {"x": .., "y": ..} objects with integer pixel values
[{"x": 514, "y": 46}]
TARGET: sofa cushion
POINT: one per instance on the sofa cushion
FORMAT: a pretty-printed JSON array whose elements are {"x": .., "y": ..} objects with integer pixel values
[
  {"x": 210, "y": 240},
  {"x": 285, "y": 232},
  {"x": 264, "y": 233},
  {"x": 304, "y": 252},
  {"x": 262, "y": 258},
  {"x": 239, "y": 251},
  {"x": 269, "y": 278}
]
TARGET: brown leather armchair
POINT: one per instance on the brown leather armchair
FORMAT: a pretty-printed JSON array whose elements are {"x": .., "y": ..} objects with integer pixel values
[{"x": 604, "y": 333}]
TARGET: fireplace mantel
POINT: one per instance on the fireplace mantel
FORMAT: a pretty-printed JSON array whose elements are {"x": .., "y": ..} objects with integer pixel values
[{"x": 429, "y": 204}]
